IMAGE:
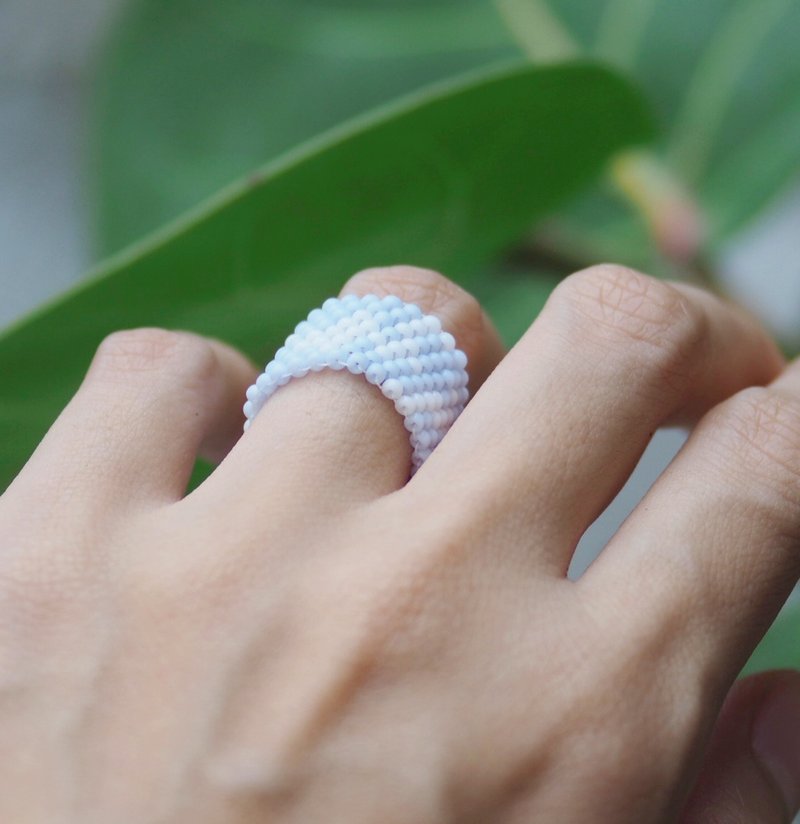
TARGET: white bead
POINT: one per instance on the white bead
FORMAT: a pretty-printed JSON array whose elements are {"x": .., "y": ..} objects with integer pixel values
[
  {"x": 375, "y": 373},
  {"x": 357, "y": 363},
  {"x": 405, "y": 405},
  {"x": 392, "y": 388},
  {"x": 424, "y": 438},
  {"x": 433, "y": 324},
  {"x": 412, "y": 346}
]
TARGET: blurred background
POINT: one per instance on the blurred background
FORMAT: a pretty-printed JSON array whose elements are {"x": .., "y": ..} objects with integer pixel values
[{"x": 118, "y": 115}]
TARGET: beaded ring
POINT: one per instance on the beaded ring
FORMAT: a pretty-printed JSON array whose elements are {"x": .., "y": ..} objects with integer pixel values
[{"x": 394, "y": 345}]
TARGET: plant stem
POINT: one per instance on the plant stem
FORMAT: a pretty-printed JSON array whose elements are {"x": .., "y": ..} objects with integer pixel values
[
  {"x": 538, "y": 32},
  {"x": 673, "y": 217}
]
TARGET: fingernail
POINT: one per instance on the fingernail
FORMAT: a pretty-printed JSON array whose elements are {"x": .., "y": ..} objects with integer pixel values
[{"x": 776, "y": 739}]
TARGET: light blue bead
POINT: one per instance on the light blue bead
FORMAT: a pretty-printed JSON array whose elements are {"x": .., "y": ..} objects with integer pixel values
[
  {"x": 391, "y": 302},
  {"x": 408, "y": 384},
  {"x": 318, "y": 319},
  {"x": 264, "y": 382}
]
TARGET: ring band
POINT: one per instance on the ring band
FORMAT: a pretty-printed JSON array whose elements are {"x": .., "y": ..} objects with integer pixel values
[{"x": 394, "y": 345}]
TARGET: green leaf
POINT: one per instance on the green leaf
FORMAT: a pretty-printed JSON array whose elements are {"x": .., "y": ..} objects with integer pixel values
[
  {"x": 445, "y": 178},
  {"x": 192, "y": 94},
  {"x": 781, "y": 645}
]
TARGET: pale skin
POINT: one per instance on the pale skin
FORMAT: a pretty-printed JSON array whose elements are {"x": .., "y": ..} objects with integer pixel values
[{"x": 308, "y": 637}]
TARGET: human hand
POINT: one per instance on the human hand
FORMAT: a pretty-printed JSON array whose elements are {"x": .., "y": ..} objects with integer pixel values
[{"x": 308, "y": 638}]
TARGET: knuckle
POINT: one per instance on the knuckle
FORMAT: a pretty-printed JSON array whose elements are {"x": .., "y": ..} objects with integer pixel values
[
  {"x": 761, "y": 426},
  {"x": 412, "y": 283},
  {"x": 432, "y": 292},
  {"x": 655, "y": 322},
  {"x": 154, "y": 350}
]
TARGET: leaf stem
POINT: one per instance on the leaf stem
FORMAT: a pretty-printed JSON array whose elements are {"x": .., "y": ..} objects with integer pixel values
[{"x": 538, "y": 32}]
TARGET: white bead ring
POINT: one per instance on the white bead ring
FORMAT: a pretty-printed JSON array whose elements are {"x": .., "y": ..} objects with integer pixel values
[{"x": 397, "y": 348}]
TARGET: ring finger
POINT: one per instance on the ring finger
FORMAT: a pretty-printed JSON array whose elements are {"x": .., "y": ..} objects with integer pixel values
[{"x": 331, "y": 438}]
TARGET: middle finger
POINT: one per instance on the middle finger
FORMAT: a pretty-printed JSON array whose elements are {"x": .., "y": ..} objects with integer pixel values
[{"x": 559, "y": 425}]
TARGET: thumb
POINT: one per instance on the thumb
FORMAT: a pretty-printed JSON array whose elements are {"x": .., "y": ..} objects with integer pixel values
[{"x": 751, "y": 771}]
